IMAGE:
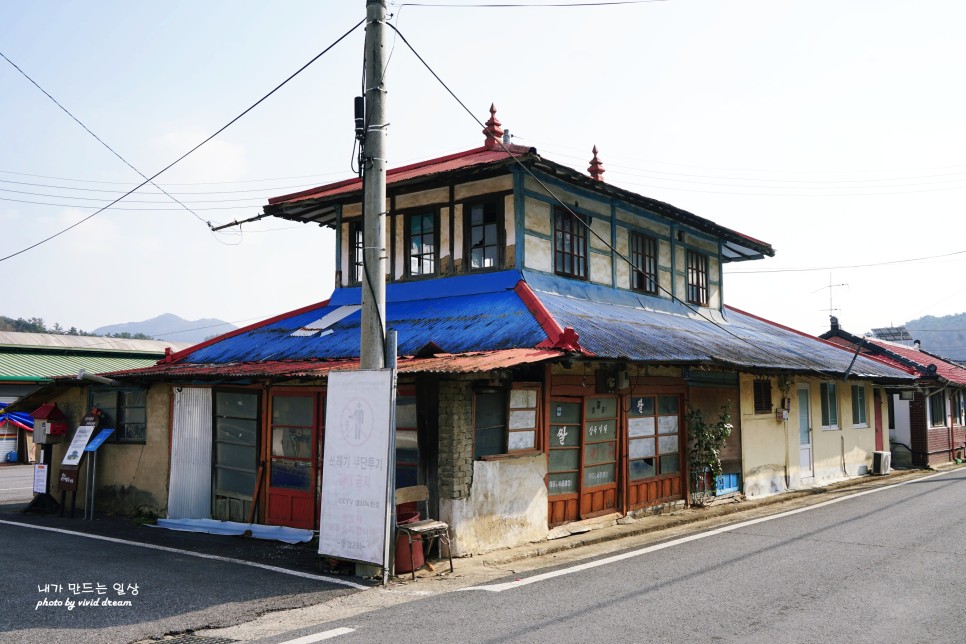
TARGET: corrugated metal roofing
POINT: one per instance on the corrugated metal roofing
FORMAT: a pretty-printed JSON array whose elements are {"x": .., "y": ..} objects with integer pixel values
[
  {"x": 623, "y": 325},
  {"x": 945, "y": 369},
  {"x": 86, "y": 342},
  {"x": 476, "y": 362},
  {"x": 458, "y": 314},
  {"x": 39, "y": 367}
]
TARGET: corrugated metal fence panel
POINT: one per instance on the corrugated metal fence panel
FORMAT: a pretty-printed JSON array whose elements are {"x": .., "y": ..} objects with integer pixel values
[{"x": 189, "y": 490}]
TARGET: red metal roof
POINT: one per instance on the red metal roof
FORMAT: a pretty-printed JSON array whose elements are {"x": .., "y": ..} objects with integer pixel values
[
  {"x": 460, "y": 160},
  {"x": 946, "y": 370},
  {"x": 442, "y": 363}
]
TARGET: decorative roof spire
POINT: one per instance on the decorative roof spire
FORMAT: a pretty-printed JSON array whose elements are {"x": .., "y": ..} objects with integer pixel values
[
  {"x": 493, "y": 131},
  {"x": 596, "y": 168}
]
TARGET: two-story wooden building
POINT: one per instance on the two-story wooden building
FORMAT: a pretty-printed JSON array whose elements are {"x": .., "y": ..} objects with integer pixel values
[{"x": 553, "y": 329}]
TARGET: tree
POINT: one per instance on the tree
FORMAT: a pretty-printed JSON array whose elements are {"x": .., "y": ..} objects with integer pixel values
[{"x": 706, "y": 442}]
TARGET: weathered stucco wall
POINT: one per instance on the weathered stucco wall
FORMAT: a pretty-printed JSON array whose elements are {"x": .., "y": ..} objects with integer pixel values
[
  {"x": 131, "y": 478},
  {"x": 507, "y": 506},
  {"x": 771, "y": 449}
]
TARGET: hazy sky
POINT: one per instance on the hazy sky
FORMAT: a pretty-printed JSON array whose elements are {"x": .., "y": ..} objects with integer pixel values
[{"x": 832, "y": 129}]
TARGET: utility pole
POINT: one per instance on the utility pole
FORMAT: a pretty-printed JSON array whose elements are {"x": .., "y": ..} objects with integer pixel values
[{"x": 372, "y": 352}]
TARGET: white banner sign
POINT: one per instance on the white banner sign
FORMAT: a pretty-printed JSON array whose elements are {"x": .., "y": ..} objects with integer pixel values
[
  {"x": 355, "y": 476},
  {"x": 40, "y": 478}
]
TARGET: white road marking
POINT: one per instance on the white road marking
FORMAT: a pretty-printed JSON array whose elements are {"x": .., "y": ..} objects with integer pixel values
[
  {"x": 318, "y": 637},
  {"x": 295, "y": 573},
  {"x": 7, "y": 489},
  {"x": 498, "y": 588}
]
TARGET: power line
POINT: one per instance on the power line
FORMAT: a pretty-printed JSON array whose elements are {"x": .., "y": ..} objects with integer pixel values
[
  {"x": 832, "y": 268},
  {"x": 201, "y": 192},
  {"x": 197, "y": 183},
  {"x": 99, "y": 210},
  {"x": 589, "y": 228},
  {"x": 99, "y": 139},
  {"x": 183, "y": 156},
  {"x": 522, "y": 5}
]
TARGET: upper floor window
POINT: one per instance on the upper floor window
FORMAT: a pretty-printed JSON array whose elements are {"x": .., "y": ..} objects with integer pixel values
[
  {"x": 357, "y": 246},
  {"x": 937, "y": 409},
  {"x": 423, "y": 241},
  {"x": 859, "y": 415},
  {"x": 569, "y": 244},
  {"x": 643, "y": 263},
  {"x": 830, "y": 405},
  {"x": 484, "y": 222},
  {"x": 762, "y": 391},
  {"x": 697, "y": 265},
  {"x": 125, "y": 410}
]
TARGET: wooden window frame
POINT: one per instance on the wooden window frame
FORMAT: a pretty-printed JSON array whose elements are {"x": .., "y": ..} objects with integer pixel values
[
  {"x": 828, "y": 393},
  {"x": 697, "y": 277},
  {"x": 762, "y": 390},
  {"x": 119, "y": 412},
  {"x": 643, "y": 256},
  {"x": 491, "y": 206},
  {"x": 930, "y": 408},
  {"x": 860, "y": 407},
  {"x": 433, "y": 255},
  {"x": 356, "y": 251},
  {"x": 513, "y": 413},
  {"x": 570, "y": 243}
]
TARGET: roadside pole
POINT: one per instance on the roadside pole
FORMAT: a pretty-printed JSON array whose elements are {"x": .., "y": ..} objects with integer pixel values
[{"x": 372, "y": 351}]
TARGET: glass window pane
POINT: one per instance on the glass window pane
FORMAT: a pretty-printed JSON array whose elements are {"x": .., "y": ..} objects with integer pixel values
[
  {"x": 564, "y": 435},
  {"x": 236, "y": 405},
  {"x": 236, "y": 431},
  {"x": 667, "y": 425},
  {"x": 642, "y": 447},
  {"x": 642, "y": 406},
  {"x": 135, "y": 398},
  {"x": 293, "y": 475},
  {"x": 522, "y": 440},
  {"x": 523, "y": 419},
  {"x": 669, "y": 464},
  {"x": 133, "y": 432},
  {"x": 667, "y": 444},
  {"x": 406, "y": 411},
  {"x": 293, "y": 410},
  {"x": 597, "y": 453},
  {"x": 135, "y": 415},
  {"x": 667, "y": 405},
  {"x": 293, "y": 442},
  {"x": 523, "y": 398},
  {"x": 601, "y": 408},
  {"x": 599, "y": 475},
  {"x": 562, "y": 484},
  {"x": 235, "y": 482},
  {"x": 563, "y": 412},
  {"x": 600, "y": 430},
  {"x": 564, "y": 460},
  {"x": 640, "y": 426},
  {"x": 642, "y": 469},
  {"x": 236, "y": 456}
]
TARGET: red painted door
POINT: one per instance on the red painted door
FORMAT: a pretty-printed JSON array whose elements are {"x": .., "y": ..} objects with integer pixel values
[
  {"x": 296, "y": 427},
  {"x": 877, "y": 404}
]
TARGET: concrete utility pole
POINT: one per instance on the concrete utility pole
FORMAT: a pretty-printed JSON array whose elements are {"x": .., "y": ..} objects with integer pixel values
[{"x": 373, "y": 350}]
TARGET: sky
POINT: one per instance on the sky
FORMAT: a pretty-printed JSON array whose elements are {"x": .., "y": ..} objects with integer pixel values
[{"x": 832, "y": 129}]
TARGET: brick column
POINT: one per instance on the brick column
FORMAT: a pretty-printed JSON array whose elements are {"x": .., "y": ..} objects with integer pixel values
[{"x": 455, "y": 439}]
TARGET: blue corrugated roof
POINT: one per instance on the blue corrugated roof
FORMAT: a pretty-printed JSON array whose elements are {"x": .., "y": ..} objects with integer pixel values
[
  {"x": 467, "y": 313},
  {"x": 620, "y": 324}
]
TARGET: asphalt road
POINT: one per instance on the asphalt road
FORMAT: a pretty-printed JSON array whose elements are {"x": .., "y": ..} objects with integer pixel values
[
  {"x": 110, "y": 580},
  {"x": 16, "y": 483},
  {"x": 885, "y": 566}
]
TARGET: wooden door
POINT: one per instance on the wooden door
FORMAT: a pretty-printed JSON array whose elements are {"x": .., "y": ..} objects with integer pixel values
[
  {"x": 294, "y": 459},
  {"x": 598, "y": 472},
  {"x": 563, "y": 468}
]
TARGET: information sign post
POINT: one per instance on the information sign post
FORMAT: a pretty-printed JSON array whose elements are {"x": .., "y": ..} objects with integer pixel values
[
  {"x": 357, "y": 495},
  {"x": 92, "y": 446}
]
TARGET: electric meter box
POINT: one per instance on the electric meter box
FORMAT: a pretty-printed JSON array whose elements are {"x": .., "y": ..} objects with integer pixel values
[{"x": 50, "y": 424}]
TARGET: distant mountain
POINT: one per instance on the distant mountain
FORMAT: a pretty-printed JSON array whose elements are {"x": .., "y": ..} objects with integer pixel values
[
  {"x": 943, "y": 336},
  {"x": 171, "y": 327}
]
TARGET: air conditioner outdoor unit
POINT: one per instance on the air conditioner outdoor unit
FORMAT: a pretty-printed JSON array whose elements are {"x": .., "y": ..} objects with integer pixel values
[{"x": 881, "y": 462}]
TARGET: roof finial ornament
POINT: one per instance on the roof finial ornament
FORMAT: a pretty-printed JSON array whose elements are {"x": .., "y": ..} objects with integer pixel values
[
  {"x": 493, "y": 131},
  {"x": 596, "y": 168}
]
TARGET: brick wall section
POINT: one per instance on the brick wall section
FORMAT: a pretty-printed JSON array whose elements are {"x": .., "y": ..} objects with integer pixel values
[{"x": 455, "y": 439}]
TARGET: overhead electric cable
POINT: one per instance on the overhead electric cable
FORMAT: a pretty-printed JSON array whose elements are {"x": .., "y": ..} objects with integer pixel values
[
  {"x": 100, "y": 140},
  {"x": 618, "y": 254},
  {"x": 182, "y": 157},
  {"x": 832, "y": 268}
]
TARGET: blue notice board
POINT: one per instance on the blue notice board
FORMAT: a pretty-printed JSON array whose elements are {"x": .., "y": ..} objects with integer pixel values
[{"x": 98, "y": 440}]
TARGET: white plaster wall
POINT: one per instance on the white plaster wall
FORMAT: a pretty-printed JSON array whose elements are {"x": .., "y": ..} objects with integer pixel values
[
  {"x": 623, "y": 269},
  {"x": 507, "y": 506},
  {"x": 458, "y": 232},
  {"x": 422, "y": 198},
  {"x": 483, "y": 186},
  {"x": 539, "y": 254},
  {"x": 539, "y": 216},
  {"x": 601, "y": 227},
  {"x": 510, "y": 221},
  {"x": 600, "y": 268}
]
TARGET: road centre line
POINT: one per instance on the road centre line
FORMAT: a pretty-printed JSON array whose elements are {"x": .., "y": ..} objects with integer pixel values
[
  {"x": 498, "y": 588},
  {"x": 318, "y": 637},
  {"x": 8, "y": 489},
  {"x": 285, "y": 571}
]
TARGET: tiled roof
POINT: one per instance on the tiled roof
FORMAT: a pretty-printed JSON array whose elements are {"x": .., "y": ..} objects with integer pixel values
[{"x": 944, "y": 369}]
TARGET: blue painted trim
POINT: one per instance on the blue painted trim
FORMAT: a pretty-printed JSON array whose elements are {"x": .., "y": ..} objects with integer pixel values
[
  {"x": 519, "y": 216},
  {"x": 338, "y": 243},
  {"x": 614, "y": 256}
]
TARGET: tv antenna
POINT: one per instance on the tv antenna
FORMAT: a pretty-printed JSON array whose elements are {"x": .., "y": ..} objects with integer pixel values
[{"x": 831, "y": 289}]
